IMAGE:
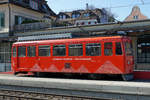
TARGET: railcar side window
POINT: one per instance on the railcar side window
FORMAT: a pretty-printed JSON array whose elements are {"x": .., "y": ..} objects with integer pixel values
[
  {"x": 108, "y": 49},
  {"x": 44, "y": 50},
  {"x": 118, "y": 48},
  {"x": 14, "y": 52},
  {"x": 75, "y": 50},
  {"x": 22, "y": 51},
  {"x": 31, "y": 51},
  {"x": 93, "y": 49},
  {"x": 59, "y": 50}
]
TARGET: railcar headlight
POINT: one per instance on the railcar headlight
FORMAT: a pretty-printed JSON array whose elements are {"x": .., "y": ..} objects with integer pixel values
[{"x": 129, "y": 63}]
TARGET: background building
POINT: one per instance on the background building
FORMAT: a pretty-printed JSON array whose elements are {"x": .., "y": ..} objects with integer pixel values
[
  {"x": 17, "y": 12},
  {"x": 136, "y": 15},
  {"x": 141, "y": 41},
  {"x": 88, "y": 16}
]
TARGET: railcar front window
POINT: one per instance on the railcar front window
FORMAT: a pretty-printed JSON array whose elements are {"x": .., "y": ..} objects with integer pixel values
[
  {"x": 93, "y": 49},
  {"x": 44, "y": 50},
  {"x": 31, "y": 51},
  {"x": 128, "y": 48},
  {"x": 75, "y": 50},
  {"x": 118, "y": 48},
  {"x": 14, "y": 52},
  {"x": 108, "y": 49},
  {"x": 59, "y": 50},
  {"x": 22, "y": 51}
]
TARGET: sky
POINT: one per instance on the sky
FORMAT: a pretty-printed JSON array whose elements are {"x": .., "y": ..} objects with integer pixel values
[{"x": 120, "y": 8}]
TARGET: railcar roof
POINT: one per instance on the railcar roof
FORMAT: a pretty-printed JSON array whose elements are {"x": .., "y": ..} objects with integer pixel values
[{"x": 70, "y": 40}]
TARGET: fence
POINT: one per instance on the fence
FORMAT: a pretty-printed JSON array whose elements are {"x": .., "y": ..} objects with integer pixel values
[
  {"x": 31, "y": 26},
  {"x": 5, "y": 58}
]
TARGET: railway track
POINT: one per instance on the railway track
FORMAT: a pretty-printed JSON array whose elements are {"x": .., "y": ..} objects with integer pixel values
[{"x": 21, "y": 95}]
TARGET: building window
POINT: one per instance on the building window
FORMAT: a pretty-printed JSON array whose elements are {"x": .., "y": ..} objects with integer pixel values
[
  {"x": 18, "y": 20},
  {"x": 2, "y": 20},
  {"x": 33, "y": 5},
  {"x": 44, "y": 50},
  {"x": 86, "y": 15},
  {"x": 104, "y": 19},
  {"x": 26, "y": 1},
  {"x": 93, "y": 49},
  {"x": 62, "y": 16},
  {"x": 22, "y": 51},
  {"x": 75, "y": 50},
  {"x": 59, "y": 50},
  {"x": 108, "y": 49},
  {"x": 44, "y": 6},
  {"x": 31, "y": 51},
  {"x": 19, "y": 0},
  {"x": 135, "y": 17},
  {"x": 75, "y": 15},
  {"x": 143, "y": 50}
]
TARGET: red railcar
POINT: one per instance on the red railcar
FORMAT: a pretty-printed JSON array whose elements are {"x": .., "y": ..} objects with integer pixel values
[{"x": 96, "y": 55}]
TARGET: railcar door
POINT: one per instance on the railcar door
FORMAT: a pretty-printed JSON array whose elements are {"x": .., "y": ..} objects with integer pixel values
[
  {"x": 22, "y": 63},
  {"x": 129, "y": 62},
  {"x": 31, "y": 58},
  {"x": 112, "y": 60},
  {"x": 44, "y": 58},
  {"x": 119, "y": 57}
]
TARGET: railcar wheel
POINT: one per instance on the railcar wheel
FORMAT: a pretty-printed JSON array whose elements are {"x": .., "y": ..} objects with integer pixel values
[
  {"x": 18, "y": 74},
  {"x": 37, "y": 74},
  {"x": 95, "y": 76},
  {"x": 92, "y": 76},
  {"x": 40, "y": 74},
  {"x": 127, "y": 77}
]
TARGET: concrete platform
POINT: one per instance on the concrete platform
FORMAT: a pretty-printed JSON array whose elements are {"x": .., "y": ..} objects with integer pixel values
[
  {"x": 142, "y": 74},
  {"x": 94, "y": 88}
]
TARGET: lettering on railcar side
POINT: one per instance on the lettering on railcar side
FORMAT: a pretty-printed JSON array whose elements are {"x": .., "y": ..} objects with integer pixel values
[{"x": 87, "y": 59}]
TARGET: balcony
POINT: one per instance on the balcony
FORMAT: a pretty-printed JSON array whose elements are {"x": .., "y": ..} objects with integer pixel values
[{"x": 31, "y": 26}]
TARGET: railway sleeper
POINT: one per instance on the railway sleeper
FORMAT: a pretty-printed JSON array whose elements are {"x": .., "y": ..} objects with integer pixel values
[{"x": 20, "y": 95}]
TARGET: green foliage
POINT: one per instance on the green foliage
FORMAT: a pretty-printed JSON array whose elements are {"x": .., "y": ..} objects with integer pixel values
[
  {"x": 30, "y": 21},
  {"x": 111, "y": 19},
  {"x": 59, "y": 24}
]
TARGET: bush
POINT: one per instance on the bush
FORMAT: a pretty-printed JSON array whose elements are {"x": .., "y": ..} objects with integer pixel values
[{"x": 30, "y": 21}]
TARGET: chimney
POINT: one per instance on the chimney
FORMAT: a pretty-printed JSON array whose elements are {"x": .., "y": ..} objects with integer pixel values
[{"x": 87, "y": 6}]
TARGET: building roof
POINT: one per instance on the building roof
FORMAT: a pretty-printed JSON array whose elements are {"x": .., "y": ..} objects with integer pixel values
[
  {"x": 136, "y": 14},
  {"x": 42, "y": 5}
]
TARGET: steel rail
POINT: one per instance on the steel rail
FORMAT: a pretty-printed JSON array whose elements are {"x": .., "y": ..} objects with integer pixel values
[{"x": 38, "y": 95}]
